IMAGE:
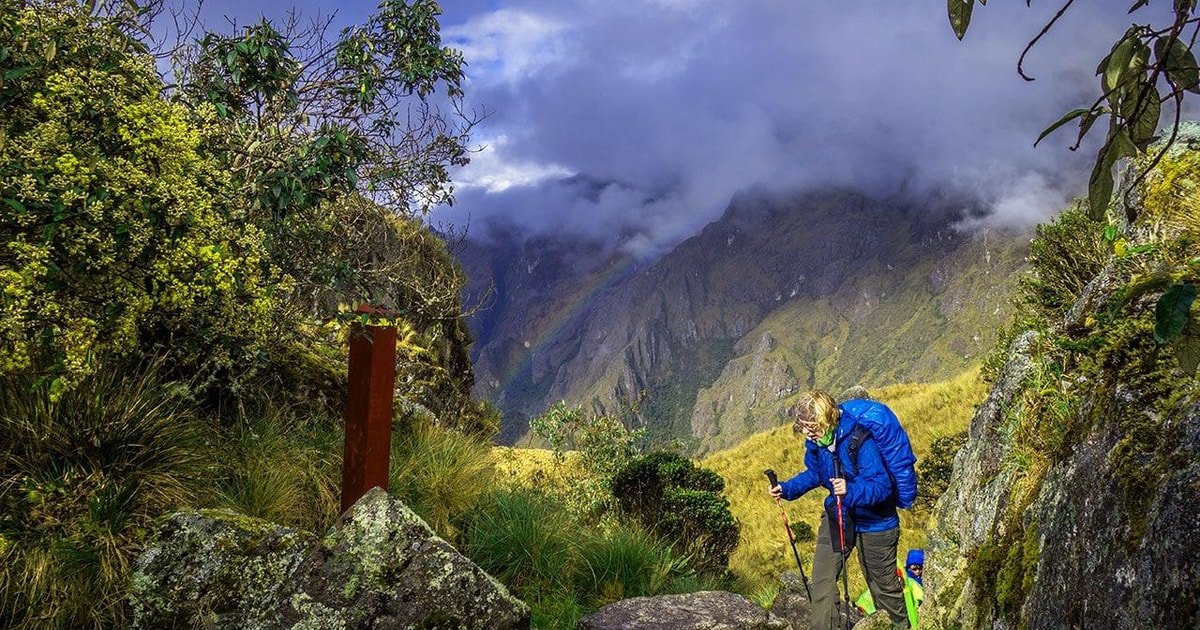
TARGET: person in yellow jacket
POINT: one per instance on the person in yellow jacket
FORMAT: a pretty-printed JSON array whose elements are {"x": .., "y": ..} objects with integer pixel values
[{"x": 914, "y": 591}]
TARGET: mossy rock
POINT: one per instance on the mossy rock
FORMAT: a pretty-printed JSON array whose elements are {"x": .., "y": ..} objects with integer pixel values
[{"x": 380, "y": 566}]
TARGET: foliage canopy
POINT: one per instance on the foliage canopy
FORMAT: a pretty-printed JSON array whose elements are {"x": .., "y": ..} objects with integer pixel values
[{"x": 1149, "y": 65}]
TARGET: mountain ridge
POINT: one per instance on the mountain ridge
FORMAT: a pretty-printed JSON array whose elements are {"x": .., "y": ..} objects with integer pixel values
[{"x": 826, "y": 288}]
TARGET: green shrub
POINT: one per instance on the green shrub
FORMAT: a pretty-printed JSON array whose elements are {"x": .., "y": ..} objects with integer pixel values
[
  {"x": 934, "y": 470},
  {"x": 1064, "y": 256},
  {"x": 681, "y": 503},
  {"x": 113, "y": 232},
  {"x": 604, "y": 445},
  {"x": 82, "y": 479}
]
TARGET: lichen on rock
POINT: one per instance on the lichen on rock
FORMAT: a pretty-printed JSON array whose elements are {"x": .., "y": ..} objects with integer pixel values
[{"x": 380, "y": 566}]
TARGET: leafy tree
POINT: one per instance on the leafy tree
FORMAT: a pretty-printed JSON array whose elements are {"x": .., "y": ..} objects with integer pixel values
[
  {"x": 112, "y": 227},
  {"x": 310, "y": 116},
  {"x": 1151, "y": 64},
  {"x": 333, "y": 141},
  {"x": 604, "y": 444},
  {"x": 224, "y": 226}
]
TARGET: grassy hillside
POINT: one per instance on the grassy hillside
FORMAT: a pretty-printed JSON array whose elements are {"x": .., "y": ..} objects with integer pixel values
[
  {"x": 927, "y": 412},
  {"x": 924, "y": 321}
]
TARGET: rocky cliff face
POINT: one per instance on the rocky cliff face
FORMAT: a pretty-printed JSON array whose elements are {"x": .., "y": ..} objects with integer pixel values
[
  {"x": 780, "y": 294},
  {"x": 1074, "y": 504}
]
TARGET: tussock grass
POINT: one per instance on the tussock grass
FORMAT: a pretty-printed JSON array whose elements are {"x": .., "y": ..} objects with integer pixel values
[
  {"x": 81, "y": 480},
  {"x": 439, "y": 473},
  {"x": 563, "y": 567},
  {"x": 626, "y": 562},
  {"x": 283, "y": 464},
  {"x": 926, "y": 411}
]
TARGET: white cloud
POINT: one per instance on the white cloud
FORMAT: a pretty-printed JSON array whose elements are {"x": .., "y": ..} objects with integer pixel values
[
  {"x": 510, "y": 45},
  {"x": 673, "y": 106},
  {"x": 494, "y": 172}
]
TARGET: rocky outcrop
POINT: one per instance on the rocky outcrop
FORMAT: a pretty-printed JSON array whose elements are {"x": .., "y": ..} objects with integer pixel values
[
  {"x": 381, "y": 566},
  {"x": 707, "y": 610},
  {"x": 1074, "y": 502},
  {"x": 792, "y": 603},
  {"x": 793, "y": 606},
  {"x": 1086, "y": 551}
]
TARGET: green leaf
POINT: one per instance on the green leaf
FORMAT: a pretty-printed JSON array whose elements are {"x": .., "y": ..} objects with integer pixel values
[
  {"x": 1171, "y": 312},
  {"x": 15, "y": 205},
  {"x": 1118, "y": 62},
  {"x": 1110, "y": 232},
  {"x": 222, "y": 111},
  {"x": 1121, "y": 146},
  {"x": 1179, "y": 62},
  {"x": 58, "y": 387},
  {"x": 1144, "y": 123},
  {"x": 1100, "y": 188},
  {"x": 1071, "y": 115},
  {"x": 959, "y": 12},
  {"x": 1085, "y": 125},
  {"x": 18, "y": 72}
]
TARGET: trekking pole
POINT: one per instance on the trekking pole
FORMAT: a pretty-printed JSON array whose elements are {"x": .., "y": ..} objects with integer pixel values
[
  {"x": 842, "y": 536},
  {"x": 791, "y": 535}
]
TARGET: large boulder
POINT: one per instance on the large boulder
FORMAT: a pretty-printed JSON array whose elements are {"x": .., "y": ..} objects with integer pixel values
[
  {"x": 381, "y": 566},
  {"x": 706, "y": 610}
]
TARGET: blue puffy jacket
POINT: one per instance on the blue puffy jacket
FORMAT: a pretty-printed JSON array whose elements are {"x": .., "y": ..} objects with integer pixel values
[
  {"x": 869, "y": 490},
  {"x": 892, "y": 441}
]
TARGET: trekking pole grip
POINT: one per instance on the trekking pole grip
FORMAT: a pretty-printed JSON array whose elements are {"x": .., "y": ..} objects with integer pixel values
[{"x": 771, "y": 477}]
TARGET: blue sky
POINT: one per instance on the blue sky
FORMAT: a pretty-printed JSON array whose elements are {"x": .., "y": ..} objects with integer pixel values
[{"x": 667, "y": 108}]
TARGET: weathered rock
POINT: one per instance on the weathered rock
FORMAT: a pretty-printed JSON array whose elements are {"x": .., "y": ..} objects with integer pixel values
[
  {"x": 380, "y": 567},
  {"x": 215, "y": 567},
  {"x": 1093, "y": 522},
  {"x": 707, "y": 610},
  {"x": 878, "y": 620},
  {"x": 980, "y": 482},
  {"x": 792, "y": 604}
]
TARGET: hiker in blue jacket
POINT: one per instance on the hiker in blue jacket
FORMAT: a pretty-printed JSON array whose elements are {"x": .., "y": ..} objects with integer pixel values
[{"x": 868, "y": 498}]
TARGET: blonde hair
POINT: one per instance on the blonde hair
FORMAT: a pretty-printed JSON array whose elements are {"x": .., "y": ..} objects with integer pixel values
[{"x": 817, "y": 408}]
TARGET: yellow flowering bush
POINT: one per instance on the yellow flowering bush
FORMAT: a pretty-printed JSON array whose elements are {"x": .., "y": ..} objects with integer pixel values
[{"x": 115, "y": 231}]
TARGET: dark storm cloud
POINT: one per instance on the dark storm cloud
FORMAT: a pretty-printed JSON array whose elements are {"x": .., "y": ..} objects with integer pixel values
[
  {"x": 680, "y": 104},
  {"x": 664, "y": 109}
]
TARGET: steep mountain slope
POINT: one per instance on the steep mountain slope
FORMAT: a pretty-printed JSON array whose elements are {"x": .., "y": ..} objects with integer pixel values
[{"x": 829, "y": 288}]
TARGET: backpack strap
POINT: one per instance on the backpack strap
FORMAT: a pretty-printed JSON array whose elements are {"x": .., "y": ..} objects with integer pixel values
[{"x": 858, "y": 435}]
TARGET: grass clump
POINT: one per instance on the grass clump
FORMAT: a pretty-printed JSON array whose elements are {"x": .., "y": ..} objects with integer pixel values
[
  {"x": 439, "y": 473},
  {"x": 82, "y": 479},
  {"x": 283, "y": 465},
  {"x": 562, "y": 566}
]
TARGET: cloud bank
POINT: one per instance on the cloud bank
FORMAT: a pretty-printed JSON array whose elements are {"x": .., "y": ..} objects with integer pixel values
[
  {"x": 640, "y": 119},
  {"x": 672, "y": 106}
]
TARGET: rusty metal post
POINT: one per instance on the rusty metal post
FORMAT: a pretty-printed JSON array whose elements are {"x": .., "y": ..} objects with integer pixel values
[{"x": 368, "y": 409}]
